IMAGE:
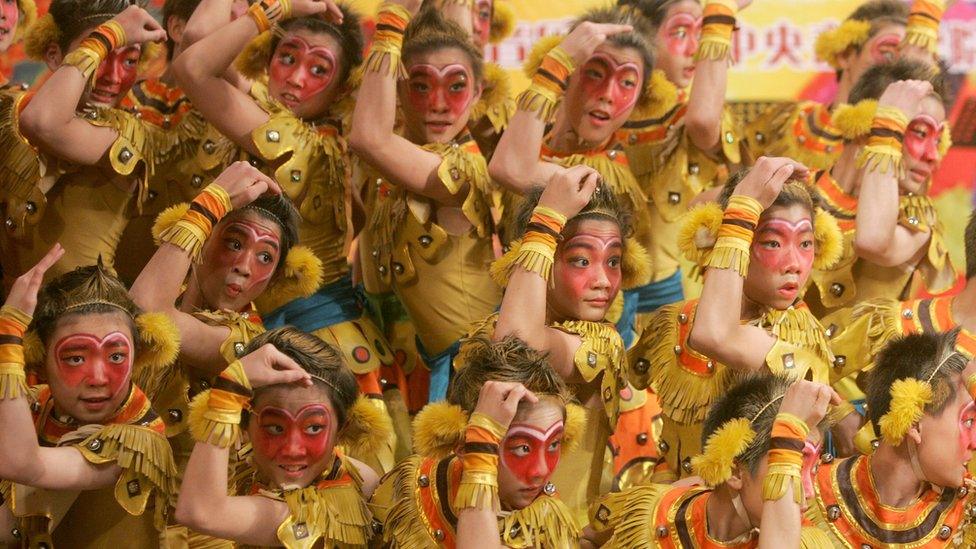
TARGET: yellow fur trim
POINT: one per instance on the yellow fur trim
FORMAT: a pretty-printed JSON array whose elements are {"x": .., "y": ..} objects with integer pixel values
[
  {"x": 168, "y": 218},
  {"x": 253, "y": 60},
  {"x": 828, "y": 240},
  {"x": 945, "y": 140},
  {"x": 502, "y": 21},
  {"x": 28, "y": 15},
  {"x": 159, "y": 346},
  {"x": 222, "y": 432},
  {"x": 546, "y": 522},
  {"x": 300, "y": 276},
  {"x": 337, "y": 515},
  {"x": 438, "y": 429},
  {"x": 151, "y": 52},
  {"x": 908, "y": 400},
  {"x": 716, "y": 461},
  {"x": 629, "y": 515},
  {"x": 367, "y": 428},
  {"x": 39, "y": 35},
  {"x": 850, "y": 34},
  {"x": 658, "y": 97},
  {"x": 635, "y": 265},
  {"x": 496, "y": 100},
  {"x": 34, "y": 351},
  {"x": 574, "y": 426},
  {"x": 698, "y": 229},
  {"x": 539, "y": 50},
  {"x": 855, "y": 121}
]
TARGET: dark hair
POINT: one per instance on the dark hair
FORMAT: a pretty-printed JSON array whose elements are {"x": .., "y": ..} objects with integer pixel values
[
  {"x": 429, "y": 31},
  {"x": 279, "y": 210},
  {"x": 83, "y": 291},
  {"x": 876, "y": 80},
  {"x": 793, "y": 192},
  {"x": 635, "y": 40},
  {"x": 180, "y": 9},
  {"x": 323, "y": 361},
  {"x": 349, "y": 34},
  {"x": 880, "y": 13},
  {"x": 74, "y": 17},
  {"x": 603, "y": 205},
  {"x": 920, "y": 356},
  {"x": 969, "y": 239},
  {"x": 510, "y": 359},
  {"x": 653, "y": 10}
]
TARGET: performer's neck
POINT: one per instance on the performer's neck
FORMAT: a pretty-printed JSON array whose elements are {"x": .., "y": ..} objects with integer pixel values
[
  {"x": 722, "y": 522},
  {"x": 894, "y": 478}
]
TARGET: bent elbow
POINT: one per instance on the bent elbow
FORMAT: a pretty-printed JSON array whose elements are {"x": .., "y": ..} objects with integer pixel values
[
  {"x": 873, "y": 249},
  {"x": 703, "y": 340},
  {"x": 704, "y": 132}
]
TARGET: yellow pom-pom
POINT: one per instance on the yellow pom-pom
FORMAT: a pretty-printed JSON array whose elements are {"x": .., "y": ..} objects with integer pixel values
[
  {"x": 908, "y": 400},
  {"x": 367, "y": 428},
  {"x": 659, "y": 96},
  {"x": 635, "y": 265},
  {"x": 945, "y": 140},
  {"x": 28, "y": 15},
  {"x": 854, "y": 121},
  {"x": 574, "y": 426},
  {"x": 167, "y": 218},
  {"x": 159, "y": 346},
  {"x": 300, "y": 276},
  {"x": 828, "y": 239},
  {"x": 539, "y": 50},
  {"x": 497, "y": 91},
  {"x": 699, "y": 228},
  {"x": 502, "y": 21},
  {"x": 253, "y": 61},
  {"x": 151, "y": 53},
  {"x": 850, "y": 34},
  {"x": 39, "y": 36},
  {"x": 715, "y": 463},
  {"x": 438, "y": 429}
]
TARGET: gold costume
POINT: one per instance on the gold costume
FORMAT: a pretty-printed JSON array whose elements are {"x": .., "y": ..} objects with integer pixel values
[{"x": 800, "y": 130}]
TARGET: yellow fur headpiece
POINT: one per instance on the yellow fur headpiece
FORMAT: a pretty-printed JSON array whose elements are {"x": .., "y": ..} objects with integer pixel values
[
  {"x": 253, "y": 60},
  {"x": 909, "y": 397},
  {"x": 366, "y": 430},
  {"x": 700, "y": 226},
  {"x": 533, "y": 60},
  {"x": 299, "y": 276},
  {"x": 438, "y": 429},
  {"x": 832, "y": 43},
  {"x": 28, "y": 15},
  {"x": 40, "y": 34},
  {"x": 496, "y": 100},
  {"x": 502, "y": 21},
  {"x": 152, "y": 52},
  {"x": 716, "y": 462}
]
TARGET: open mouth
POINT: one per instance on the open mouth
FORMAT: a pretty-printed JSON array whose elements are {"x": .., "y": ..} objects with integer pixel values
[
  {"x": 289, "y": 99},
  {"x": 919, "y": 175},
  {"x": 438, "y": 126},
  {"x": 688, "y": 72},
  {"x": 95, "y": 403},
  {"x": 293, "y": 470},
  {"x": 789, "y": 289},
  {"x": 103, "y": 96},
  {"x": 233, "y": 290},
  {"x": 599, "y": 117}
]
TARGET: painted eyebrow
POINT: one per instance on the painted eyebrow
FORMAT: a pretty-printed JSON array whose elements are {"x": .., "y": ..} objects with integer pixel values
[
  {"x": 587, "y": 246},
  {"x": 234, "y": 229}
]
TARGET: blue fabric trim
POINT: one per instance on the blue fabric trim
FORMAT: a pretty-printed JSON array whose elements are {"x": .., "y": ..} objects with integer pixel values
[
  {"x": 332, "y": 304},
  {"x": 441, "y": 368},
  {"x": 655, "y": 295},
  {"x": 625, "y": 326}
]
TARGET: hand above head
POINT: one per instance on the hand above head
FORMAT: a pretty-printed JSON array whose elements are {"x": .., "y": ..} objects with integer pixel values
[
  {"x": 139, "y": 26},
  {"x": 906, "y": 96},
  {"x": 809, "y": 401},
  {"x": 499, "y": 400},
  {"x": 570, "y": 190},
  {"x": 765, "y": 180},
  {"x": 269, "y": 366},
  {"x": 23, "y": 293},
  {"x": 583, "y": 40},
  {"x": 245, "y": 183}
]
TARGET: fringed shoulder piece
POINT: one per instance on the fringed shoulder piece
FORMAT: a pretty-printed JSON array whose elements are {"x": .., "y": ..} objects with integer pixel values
[
  {"x": 601, "y": 352},
  {"x": 333, "y": 511},
  {"x": 405, "y": 520},
  {"x": 159, "y": 343},
  {"x": 243, "y": 328},
  {"x": 630, "y": 515},
  {"x": 19, "y": 166},
  {"x": 873, "y": 324},
  {"x": 802, "y": 131},
  {"x": 686, "y": 382},
  {"x": 497, "y": 103},
  {"x": 797, "y": 325},
  {"x": 464, "y": 165},
  {"x": 546, "y": 522},
  {"x": 918, "y": 213}
]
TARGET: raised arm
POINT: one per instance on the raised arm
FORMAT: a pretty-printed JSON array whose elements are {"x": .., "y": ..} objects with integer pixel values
[
  {"x": 373, "y": 135},
  {"x": 707, "y": 99},
  {"x": 209, "y": 16},
  {"x": 22, "y": 459},
  {"x": 718, "y": 332},
  {"x": 160, "y": 283},
  {"x": 201, "y": 69},
  {"x": 879, "y": 238},
  {"x": 523, "y": 309},
  {"x": 204, "y": 504},
  {"x": 516, "y": 163},
  {"x": 50, "y": 122}
]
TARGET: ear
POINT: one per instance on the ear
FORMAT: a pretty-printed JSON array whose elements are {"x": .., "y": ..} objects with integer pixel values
[
  {"x": 174, "y": 29},
  {"x": 735, "y": 481},
  {"x": 845, "y": 59},
  {"x": 915, "y": 433},
  {"x": 53, "y": 56}
]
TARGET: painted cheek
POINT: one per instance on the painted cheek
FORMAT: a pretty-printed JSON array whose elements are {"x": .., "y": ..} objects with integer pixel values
[
  {"x": 967, "y": 428},
  {"x": 681, "y": 35},
  {"x": 811, "y": 455},
  {"x": 575, "y": 280},
  {"x": 537, "y": 464},
  {"x": 922, "y": 148},
  {"x": 98, "y": 365},
  {"x": 10, "y": 13},
  {"x": 619, "y": 85},
  {"x": 435, "y": 94},
  {"x": 293, "y": 441}
]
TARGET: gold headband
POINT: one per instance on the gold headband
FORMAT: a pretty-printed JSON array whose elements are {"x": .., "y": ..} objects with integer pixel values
[
  {"x": 98, "y": 302},
  {"x": 763, "y": 409}
]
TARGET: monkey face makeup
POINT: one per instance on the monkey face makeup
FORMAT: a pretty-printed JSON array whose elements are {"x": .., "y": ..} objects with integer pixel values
[
  {"x": 89, "y": 364},
  {"x": 115, "y": 76},
  {"x": 438, "y": 95},
  {"x": 940, "y": 462},
  {"x": 603, "y": 92},
  {"x": 239, "y": 259},
  {"x": 293, "y": 431},
  {"x": 920, "y": 146},
  {"x": 481, "y": 23},
  {"x": 530, "y": 452},
  {"x": 586, "y": 272},
  {"x": 782, "y": 257},
  {"x": 677, "y": 41},
  {"x": 304, "y": 71}
]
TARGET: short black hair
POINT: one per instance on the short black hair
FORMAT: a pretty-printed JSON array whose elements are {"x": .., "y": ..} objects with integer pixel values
[
  {"x": 874, "y": 81},
  {"x": 429, "y": 30},
  {"x": 73, "y": 17},
  {"x": 793, "y": 192},
  {"x": 180, "y": 9}
]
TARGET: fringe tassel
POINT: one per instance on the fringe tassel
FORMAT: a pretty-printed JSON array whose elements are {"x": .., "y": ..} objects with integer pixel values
[
  {"x": 881, "y": 159},
  {"x": 478, "y": 495},
  {"x": 461, "y": 166},
  {"x": 391, "y": 53},
  {"x": 925, "y": 38},
  {"x": 337, "y": 514},
  {"x": 616, "y": 175},
  {"x": 778, "y": 477},
  {"x": 714, "y": 49},
  {"x": 798, "y": 326},
  {"x": 13, "y": 382},
  {"x": 884, "y": 322},
  {"x": 542, "y": 104},
  {"x": 404, "y": 525},
  {"x": 630, "y": 515},
  {"x": 501, "y": 268},
  {"x": 535, "y": 259},
  {"x": 724, "y": 256},
  {"x": 186, "y": 237},
  {"x": 546, "y": 522},
  {"x": 212, "y": 426}
]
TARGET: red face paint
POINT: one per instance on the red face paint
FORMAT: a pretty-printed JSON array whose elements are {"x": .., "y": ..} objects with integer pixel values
[
  {"x": 884, "y": 48},
  {"x": 442, "y": 95},
  {"x": 115, "y": 75},
  {"x": 785, "y": 248},
  {"x": 246, "y": 254},
  {"x": 9, "y": 17},
  {"x": 603, "y": 79},
  {"x": 922, "y": 138},
  {"x": 681, "y": 34},
  {"x": 532, "y": 454},
  {"x": 86, "y": 360},
  {"x": 587, "y": 276},
  {"x": 967, "y": 429},
  {"x": 811, "y": 457},
  {"x": 481, "y": 22},
  {"x": 300, "y": 71},
  {"x": 294, "y": 442}
]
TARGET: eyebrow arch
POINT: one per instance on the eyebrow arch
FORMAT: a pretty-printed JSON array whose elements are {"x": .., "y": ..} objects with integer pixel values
[{"x": 234, "y": 229}]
